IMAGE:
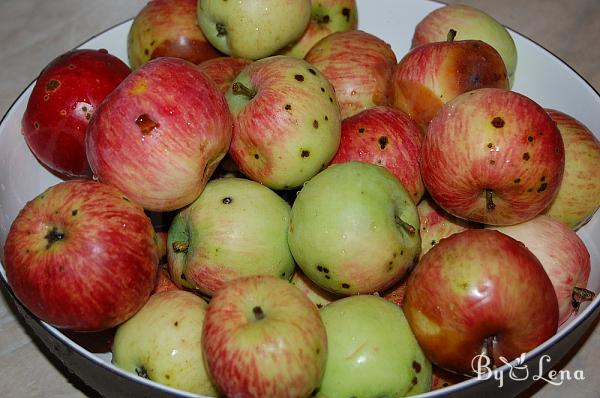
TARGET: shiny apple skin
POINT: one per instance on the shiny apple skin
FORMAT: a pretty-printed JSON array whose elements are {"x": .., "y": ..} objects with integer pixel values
[
  {"x": 498, "y": 141},
  {"x": 64, "y": 97},
  {"x": 223, "y": 70},
  {"x": 97, "y": 272},
  {"x": 478, "y": 284}
]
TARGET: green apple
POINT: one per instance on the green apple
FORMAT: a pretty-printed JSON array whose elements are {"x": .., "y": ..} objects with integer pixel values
[
  {"x": 237, "y": 227},
  {"x": 253, "y": 29},
  {"x": 372, "y": 351},
  {"x": 354, "y": 229},
  {"x": 162, "y": 342}
]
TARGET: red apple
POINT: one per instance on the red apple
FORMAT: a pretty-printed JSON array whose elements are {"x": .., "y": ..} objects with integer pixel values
[
  {"x": 81, "y": 256},
  {"x": 492, "y": 156},
  {"x": 358, "y": 65},
  {"x": 65, "y": 95},
  {"x": 431, "y": 75},
  {"x": 263, "y": 337},
  {"x": 479, "y": 292},
  {"x": 223, "y": 70},
  {"x": 164, "y": 282},
  {"x": 386, "y": 137},
  {"x": 160, "y": 135}
]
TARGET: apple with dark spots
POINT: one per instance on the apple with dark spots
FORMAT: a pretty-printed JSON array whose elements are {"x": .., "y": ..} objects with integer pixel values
[
  {"x": 287, "y": 122},
  {"x": 224, "y": 70},
  {"x": 262, "y": 337},
  {"x": 372, "y": 351},
  {"x": 359, "y": 65},
  {"x": 385, "y": 137},
  {"x": 168, "y": 28},
  {"x": 354, "y": 229},
  {"x": 81, "y": 256},
  {"x": 432, "y": 74},
  {"x": 64, "y": 98},
  {"x": 162, "y": 342},
  {"x": 492, "y": 156},
  {"x": 327, "y": 17},
  {"x": 237, "y": 227},
  {"x": 160, "y": 135},
  {"x": 479, "y": 292}
]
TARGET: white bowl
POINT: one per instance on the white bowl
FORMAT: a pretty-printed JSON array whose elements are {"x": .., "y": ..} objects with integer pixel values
[{"x": 540, "y": 75}]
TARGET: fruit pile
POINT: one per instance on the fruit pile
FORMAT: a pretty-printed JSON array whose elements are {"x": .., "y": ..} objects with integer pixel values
[{"x": 271, "y": 204}]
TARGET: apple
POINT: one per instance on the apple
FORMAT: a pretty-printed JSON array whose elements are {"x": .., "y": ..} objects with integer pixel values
[
  {"x": 441, "y": 378},
  {"x": 237, "y": 227},
  {"x": 562, "y": 254},
  {"x": 469, "y": 23},
  {"x": 385, "y": 137},
  {"x": 359, "y": 65},
  {"x": 167, "y": 28},
  {"x": 354, "y": 229},
  {"x": 479, "y": 292},
  {"x": 492, "y": 156},
  {"x": 314, "y": 293},
  {"x": 327, "y": 17},
  {"x": 164, "y": 282},
  {"x": 163, "y": 342},
  {"x": 578, "y": 196},
  {"x": 161, "y": 243},
  {"x": 372, "y": 351},
  {"x": 430, "y": 75},
  {"x": 64, "y": 98},
  {"x": 81, "y": 256},
  {"x": 160, "y": 134},
  {"x": 253, "y": 29},
  {"x": 223, "y": 70},
  {"x": 287, "y": 122},
  {"x": 263, "y": 337},
  {"x": 396, "y": 293}
]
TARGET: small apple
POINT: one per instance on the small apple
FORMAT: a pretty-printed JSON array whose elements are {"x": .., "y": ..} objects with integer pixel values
[
  {"x": 163, "y": 342},
  {"x": 314, "y": 293},
  {"x": 479, "y": 292},
  {"x": 492, "y": 156},
  {"x": 441, "y": 378},
  {"x": 372, "y": 351},
  {"x": 396, "y": 293},
  {"x": 359, "y": 65},
  {"x": 470, "y": 24},
  {"x": 64, "y": 97},
  {"x": 160, "y": 135},
  {"x": 253, "y": 29},
  {"x": 385, "y": 137},
  {"x": 223, "y": 70},
  {"x": 237, "y": 227},
  {"x": 578, "y": 196},
  {"x": 167, "y": 28},
  {"x": 286, "y": 121},
  {"x": 81, "y": 256},
  {"x": 164, "y": 282},
  {"x": 354, "y": 229},
  {"x": 263, "y": 337}
]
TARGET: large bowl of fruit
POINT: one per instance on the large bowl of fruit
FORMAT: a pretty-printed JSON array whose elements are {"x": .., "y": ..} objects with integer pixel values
[{"x": 304, "y": 199}]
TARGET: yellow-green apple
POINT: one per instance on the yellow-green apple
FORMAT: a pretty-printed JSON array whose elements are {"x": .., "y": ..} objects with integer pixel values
[
  {"x": 563, "y": 255},
  {"x": 327, "y": 17},
  {"x": 263, "y": 337},
  {"x": 359, "y": 65},
  {"x": 437, "y": 224},
  {"x": 430, "y": 75},
  {"x": 479, "y": 292},
  {"x": 354, "y": 229},
  {"x": 160, "y": 134},
  {"x": 63, "y": 99},
  {"x": 253, "y": 29},
  {"x": 223, "y": 70},
  {"x": 492, "y": 156},
  {"x": 81, "y": 256},
  {"x": 168, "y": 28},
  {"x": 315, "y": 294},
  {"x": 287, "y": 121},
  {"x": 372, "y": 351},
  {"x": 469, "y": 23},
  {"x": 578, "y": 196},
  {"x": 385, "y": 137},
  {"x": 237, "y": 227},
  {"x": 163, "y": 342}
]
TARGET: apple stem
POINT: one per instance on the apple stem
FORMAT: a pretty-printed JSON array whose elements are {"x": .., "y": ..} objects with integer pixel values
[
  {"x": 580, "y": 295},
  {"x": 180, "y": 246},
  {"x": 487, "y": 350},
  {"x": 258, "y": 313},
  {"x": 451, "y": 35},
  {"x": 239, "y": 89},
  {"x": 406, "y": 226},
  {"x": 489, "y": 199}
]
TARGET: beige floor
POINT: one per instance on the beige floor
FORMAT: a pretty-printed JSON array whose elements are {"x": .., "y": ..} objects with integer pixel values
[{"x": 34, "y": 31}]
